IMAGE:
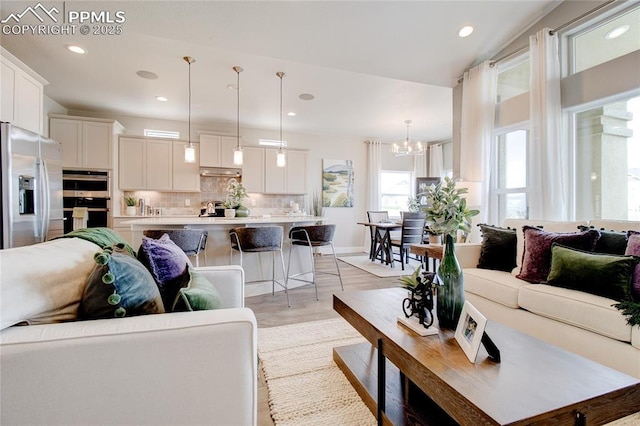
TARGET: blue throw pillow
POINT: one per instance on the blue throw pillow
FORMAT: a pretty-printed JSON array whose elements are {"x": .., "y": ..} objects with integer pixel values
[{"x": 119, "y": 286}]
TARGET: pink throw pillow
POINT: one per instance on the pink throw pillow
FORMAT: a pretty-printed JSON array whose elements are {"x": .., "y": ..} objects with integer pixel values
[{"x": 633, "y": 248}]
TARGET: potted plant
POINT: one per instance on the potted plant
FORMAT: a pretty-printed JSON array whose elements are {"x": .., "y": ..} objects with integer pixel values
[
  {"x": 131, "y": 205},
  {"x": 236, "y": 192},
  {"x": 447, "y": 213}
]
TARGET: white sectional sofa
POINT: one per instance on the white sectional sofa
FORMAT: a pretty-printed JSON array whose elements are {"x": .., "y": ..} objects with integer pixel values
[
  {"x": 175, "y": 368},
  {"x": 582, "y": 323}
]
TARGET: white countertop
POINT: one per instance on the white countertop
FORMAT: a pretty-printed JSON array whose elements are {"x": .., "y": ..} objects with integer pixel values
[{"x": 137, "y": 223}]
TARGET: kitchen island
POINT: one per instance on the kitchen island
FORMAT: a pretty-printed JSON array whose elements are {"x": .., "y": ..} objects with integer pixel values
[{"x": 256, "y": 265}]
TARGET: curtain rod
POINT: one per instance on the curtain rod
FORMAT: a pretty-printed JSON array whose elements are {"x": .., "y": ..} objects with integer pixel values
[{"x": 555, "y": 30}]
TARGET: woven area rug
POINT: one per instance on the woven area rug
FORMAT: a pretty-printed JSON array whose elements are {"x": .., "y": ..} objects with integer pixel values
[
  {"x": 380, "y": 269},
  {"x": 305, "y": 386}
]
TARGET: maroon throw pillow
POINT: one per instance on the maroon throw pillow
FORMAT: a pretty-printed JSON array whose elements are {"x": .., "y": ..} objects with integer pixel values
[
  {"x": 536, "y": 259},
  {"x": 633, "y": 248}
]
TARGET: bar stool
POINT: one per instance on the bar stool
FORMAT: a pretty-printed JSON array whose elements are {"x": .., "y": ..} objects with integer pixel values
[
  {"x": 313, "y": 236},
  {"x": 258, "y": 240},
  {"x": 191, "y": 241}
]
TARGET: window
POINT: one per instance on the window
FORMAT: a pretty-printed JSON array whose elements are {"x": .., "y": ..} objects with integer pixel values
[
  {"x": 607, "y": 167},
  {"x": 609, "y": 39},
  {"x": 511, "y": 174},
  {"x": 395, "y": 191},
  {"x": 513, "y": 78}
]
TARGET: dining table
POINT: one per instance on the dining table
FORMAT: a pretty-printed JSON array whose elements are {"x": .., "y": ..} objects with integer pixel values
[{"x": 381, "y": 249}]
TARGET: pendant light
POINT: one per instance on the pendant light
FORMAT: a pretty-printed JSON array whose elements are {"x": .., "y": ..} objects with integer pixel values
[
  {"x": 189, "y": 150},
  {"x": 408, "y": 147},
  {"x": 281, "y": 159},
  {"x": 237, "y": 152}
]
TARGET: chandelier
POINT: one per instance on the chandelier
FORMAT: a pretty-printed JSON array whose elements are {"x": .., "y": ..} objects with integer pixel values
[{"x": 408, "y": 147}]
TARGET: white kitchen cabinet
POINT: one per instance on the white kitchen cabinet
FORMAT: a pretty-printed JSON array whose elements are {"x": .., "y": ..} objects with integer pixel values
[
  {"x": 86, "y": 142},
  {"x": 291, "y": 179},
  {"x": 253, "y": 169},
  {"x": 22, "y": 97},
  {"x": 159, "y": 162},
  {"x": 124, "y": 230},
  {"x": 217, "y": 150},
  {"x": 156, "y": 165},
  {"x": 186, "y": 176}
]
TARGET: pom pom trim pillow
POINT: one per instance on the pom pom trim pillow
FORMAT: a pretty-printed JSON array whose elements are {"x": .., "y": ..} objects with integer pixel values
[
  {"x": 606, "y": 275},
  {"x": 536, "y": 259}
]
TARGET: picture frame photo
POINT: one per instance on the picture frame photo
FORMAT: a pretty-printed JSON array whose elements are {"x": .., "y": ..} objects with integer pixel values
[
  {"x": 469, "y": 330},
  {"x": 422, "y": 184}
]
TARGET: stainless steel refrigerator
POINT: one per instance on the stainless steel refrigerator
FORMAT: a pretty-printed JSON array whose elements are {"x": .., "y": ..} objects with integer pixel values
[{"x": 31, "y": 187}]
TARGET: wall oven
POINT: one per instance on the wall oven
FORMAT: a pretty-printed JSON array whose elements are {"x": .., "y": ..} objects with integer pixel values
[{"x": 90, "y": 189}]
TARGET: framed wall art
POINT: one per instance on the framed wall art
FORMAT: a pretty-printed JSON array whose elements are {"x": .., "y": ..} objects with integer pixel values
[
  {"x": 337, "y": 183},
  {"x": 422, "y": 183}
]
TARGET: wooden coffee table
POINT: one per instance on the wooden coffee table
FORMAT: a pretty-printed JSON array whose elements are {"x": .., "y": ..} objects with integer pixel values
[{"x": 535, "y": 383}]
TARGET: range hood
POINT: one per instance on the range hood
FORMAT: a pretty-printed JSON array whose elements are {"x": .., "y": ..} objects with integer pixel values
[{"x": 220, "y": 171}]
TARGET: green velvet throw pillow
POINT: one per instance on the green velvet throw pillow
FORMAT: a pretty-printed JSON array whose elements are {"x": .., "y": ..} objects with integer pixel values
[
  {"x": 604, "y": 275},
  {"x": 198, "y": 294}
]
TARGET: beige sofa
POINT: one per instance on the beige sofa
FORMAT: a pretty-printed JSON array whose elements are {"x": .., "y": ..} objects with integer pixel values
[
  {"x": 177, "y": 368},
  {"x": 579, "y": 322}
]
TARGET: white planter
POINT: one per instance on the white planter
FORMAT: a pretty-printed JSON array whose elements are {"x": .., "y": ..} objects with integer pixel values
[
  {"x": 131, "y": 210},
  {"x": 229, "y": 213}
]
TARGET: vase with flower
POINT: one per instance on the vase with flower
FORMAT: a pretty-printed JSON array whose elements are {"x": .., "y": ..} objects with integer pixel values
[
  {"x": 447, "y": 213},
  {"x": 236, "y": 192}
]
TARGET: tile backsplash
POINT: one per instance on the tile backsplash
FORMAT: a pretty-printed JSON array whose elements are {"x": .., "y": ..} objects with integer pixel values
[{"x": 213, "y": 188}]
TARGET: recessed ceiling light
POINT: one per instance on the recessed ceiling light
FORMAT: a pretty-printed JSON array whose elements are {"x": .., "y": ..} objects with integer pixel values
[
  {"x": 617, "y": 32},
  {"x": 161, "y": 98},
  {"x": 75, "y": 49},
  {"x": 291, "y": 114},
  {"x": 307, "y": 97},
  {"x": 465, "y": 31},
  {"x": 147, "y": 74}
]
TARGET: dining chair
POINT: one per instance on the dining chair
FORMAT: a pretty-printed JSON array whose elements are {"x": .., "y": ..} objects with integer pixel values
[
  {"x": 374, "y": 216},
  {"x": 411, "y": 233}
]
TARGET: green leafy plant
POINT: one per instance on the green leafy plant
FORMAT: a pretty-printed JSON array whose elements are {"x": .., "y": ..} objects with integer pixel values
[
  {"x": 631, "y": 310},
  {"x": 410, "y": 282},
  {"x": 446, "y": 209},
  {"x": 130, "y": 201},
  {"x": 236, "y": 192}
]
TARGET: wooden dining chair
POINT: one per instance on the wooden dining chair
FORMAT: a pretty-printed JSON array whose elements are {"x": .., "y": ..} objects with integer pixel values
[
  {"x": 375, "y": 217},
  {"x": 411, "y": 233}
]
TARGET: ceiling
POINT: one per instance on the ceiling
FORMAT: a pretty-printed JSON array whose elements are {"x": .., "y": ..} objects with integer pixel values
[{"x": 371, "y": 65}]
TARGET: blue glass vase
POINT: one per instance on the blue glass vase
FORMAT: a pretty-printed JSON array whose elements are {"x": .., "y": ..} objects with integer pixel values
[{"x": 451, "y": 290}]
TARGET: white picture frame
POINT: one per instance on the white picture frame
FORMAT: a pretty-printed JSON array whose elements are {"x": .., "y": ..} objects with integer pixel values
[{"x": 469, "y": 330}]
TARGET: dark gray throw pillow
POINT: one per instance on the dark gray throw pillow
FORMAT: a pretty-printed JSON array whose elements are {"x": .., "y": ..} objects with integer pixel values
[
  {"x": 498, "y": 250},
  {"x": 610, "y": 242}
]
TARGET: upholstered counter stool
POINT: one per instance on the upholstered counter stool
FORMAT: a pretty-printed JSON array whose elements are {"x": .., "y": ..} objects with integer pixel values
[
  {"x": 313, "y": 236},
  {"x": 258, "y": 240},
  {"x": 191, "y": 241}
]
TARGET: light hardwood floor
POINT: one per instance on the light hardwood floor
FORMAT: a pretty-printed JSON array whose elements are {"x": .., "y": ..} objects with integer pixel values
[{"x": 272, "y": 311}]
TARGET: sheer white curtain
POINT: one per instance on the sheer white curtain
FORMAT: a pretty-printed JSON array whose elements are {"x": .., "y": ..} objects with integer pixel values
[
  {"x": 547, "y": 161},
  {"x": 420, "y": 165},
  {"x": 436, "y": 161},
  {"x": 374, "y": 169},
  {"x": 477, "y": 123}
]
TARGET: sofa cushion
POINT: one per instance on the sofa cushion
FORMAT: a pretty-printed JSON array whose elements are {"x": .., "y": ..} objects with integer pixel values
[
  {"x": 498, "y": 250},
  {"x": 167, "y": 263},
  {"x": 550, "y": 226},
  {"x": 119, "y": 286},
  {"x": 43, "y": 283},
  {"x": 577, "y": 308},
  {"x": 536, "y": 259},
  {"x": 606, "y": 275},
  {"x": 498, "y": 286},
  {"x": 610, "y": 242},
  {"x": 197, "y": 294},
  {"x": 633, "y": 248}
]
